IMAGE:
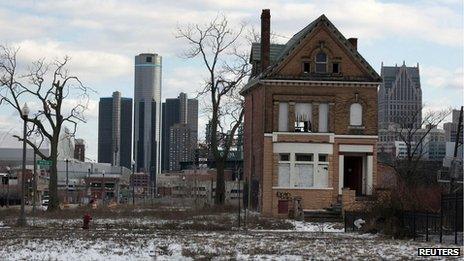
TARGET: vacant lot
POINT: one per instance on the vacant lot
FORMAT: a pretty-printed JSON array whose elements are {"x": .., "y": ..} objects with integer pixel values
[{"x": 167, "y": 234}]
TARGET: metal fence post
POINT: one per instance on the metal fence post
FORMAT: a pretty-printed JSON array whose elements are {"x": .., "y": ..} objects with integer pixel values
[
  {"x": 344, "y": 221},
  {"x": 456, "y": 218},
  {"x": 427, "y": 226},
  {"x": 441, "y": 219}
]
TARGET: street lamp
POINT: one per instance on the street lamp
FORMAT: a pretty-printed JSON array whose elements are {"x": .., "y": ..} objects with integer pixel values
[
  {"x": 22, "y": 217},
  {"x": 132, "y": 181},
  {"x": 8, "y": 175},
  {"x": 103, "y": 187}
]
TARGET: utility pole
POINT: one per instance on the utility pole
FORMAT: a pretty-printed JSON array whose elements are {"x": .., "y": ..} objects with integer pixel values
[
  {"x": 132, "y": 182},
  {"x": 87, "y": 186},
  {"x": 22, "y": 218},
  {"x": 67, "y": 182},
  {"x": 34, "y": 197},
  {"x": 103, "y": 188},
  {"x": 8, "y": 186}
]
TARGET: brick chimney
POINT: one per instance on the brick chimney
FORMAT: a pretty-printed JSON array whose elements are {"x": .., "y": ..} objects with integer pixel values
[
  {"x": 354, "y": 42},
  {"x": 265, "y": 38}
]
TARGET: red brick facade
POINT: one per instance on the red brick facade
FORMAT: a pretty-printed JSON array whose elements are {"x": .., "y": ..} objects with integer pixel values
[{"x": 286, "y": 82}]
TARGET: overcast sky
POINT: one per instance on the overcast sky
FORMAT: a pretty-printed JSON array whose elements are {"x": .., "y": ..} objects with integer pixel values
[{"x": 102, "y": 38}]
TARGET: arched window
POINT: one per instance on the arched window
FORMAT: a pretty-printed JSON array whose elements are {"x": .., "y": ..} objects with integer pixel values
[
  {"x": 321, "y": 62},
  {"x": 355, "y": 114}
]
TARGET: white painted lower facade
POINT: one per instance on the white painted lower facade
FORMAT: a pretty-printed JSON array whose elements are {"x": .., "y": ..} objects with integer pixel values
[{"x": 313, "y": 172}]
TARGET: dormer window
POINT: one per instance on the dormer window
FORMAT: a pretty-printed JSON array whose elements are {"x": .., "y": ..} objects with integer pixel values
[{"x": 321, "y": 62}]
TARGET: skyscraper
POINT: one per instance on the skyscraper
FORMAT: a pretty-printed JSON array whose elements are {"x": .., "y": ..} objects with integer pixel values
[
  {"x": 115, "y": 130},
  {"x": 180, "y": 145},
  {"x": 170, "y": 116},
  {"x": 400, "y": 96},
  {"x": 147, "y": 113},
  {"x": 451, "y": 128},
  {"x": 183, "y": 111}
]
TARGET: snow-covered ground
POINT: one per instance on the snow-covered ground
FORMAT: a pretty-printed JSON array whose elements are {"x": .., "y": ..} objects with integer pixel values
[
  {"x": 148, "y": 234},
  {"x": 63, "y": 240}
]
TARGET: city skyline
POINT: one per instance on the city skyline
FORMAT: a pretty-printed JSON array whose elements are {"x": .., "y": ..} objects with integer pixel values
[{"x": 93, "y": 47}]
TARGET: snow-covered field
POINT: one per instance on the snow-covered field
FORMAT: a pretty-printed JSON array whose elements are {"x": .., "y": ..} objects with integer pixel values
[{"x": 114, "y": 239}]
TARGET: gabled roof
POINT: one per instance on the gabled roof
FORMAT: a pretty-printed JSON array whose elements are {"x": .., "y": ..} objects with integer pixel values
[{"x": 298, "y": 39}]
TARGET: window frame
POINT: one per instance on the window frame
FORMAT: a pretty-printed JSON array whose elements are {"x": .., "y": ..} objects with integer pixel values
[
  {"x": 294, "y": 178},
  {"x": 303, "y": 64},
  {"x": 338, "y": 67},
  {"x": 355, "y": 118},
  {"x": 319, "y": 63}
]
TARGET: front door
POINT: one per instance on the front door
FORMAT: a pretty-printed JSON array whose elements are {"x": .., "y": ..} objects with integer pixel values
[{"x": 353, "y": 173}]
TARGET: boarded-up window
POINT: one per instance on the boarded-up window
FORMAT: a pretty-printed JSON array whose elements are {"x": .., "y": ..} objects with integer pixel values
[
  {"x": 283, "y": 116},
  {"x": 321, "y": 177},
  {"x": 282, "y": 207},
  {"x": 355, "y": 114},
  {"x": 304, "y": 175},
  {"x": 284, "y": 175},
  {"x": 323, "y": 117}
]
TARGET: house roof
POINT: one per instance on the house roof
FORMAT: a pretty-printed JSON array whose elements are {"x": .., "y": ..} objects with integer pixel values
[
  {"x": 275, "y": 51},
  {"x": 296, "y": 40}
]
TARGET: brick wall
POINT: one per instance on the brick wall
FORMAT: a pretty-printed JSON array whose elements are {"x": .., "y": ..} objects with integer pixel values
[
  {"x": 341, "y": 97},
  {"x": 331, "y": 46},
  {"x": 311, "y": 198}
]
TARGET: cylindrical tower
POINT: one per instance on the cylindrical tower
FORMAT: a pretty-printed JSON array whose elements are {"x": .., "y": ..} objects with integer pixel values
[{"x": 147, "y": 113}]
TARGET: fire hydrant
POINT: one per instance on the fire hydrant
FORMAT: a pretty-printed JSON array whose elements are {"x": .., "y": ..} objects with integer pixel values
[{"x": 86, "y": 220}]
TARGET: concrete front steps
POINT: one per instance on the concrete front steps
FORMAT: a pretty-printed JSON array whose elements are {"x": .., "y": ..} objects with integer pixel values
[{"x": 332, "y": 214}]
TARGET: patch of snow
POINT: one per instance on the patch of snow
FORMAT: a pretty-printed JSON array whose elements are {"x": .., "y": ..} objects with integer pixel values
[{"x": 318, "y": 227}]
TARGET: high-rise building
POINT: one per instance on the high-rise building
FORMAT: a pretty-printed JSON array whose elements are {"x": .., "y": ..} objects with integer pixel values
[
  {"x": 180, "y": 110},
  {"x": 451, "y": 128},
  {"x": 400, "y": 96},
  {"x": 180, "y": 145},
  {"x": 147, "y": 114},
  {"x": 79, "y": 149},
  {"x": 170, "y": 116},
  {"x": 115, "y": 130}
]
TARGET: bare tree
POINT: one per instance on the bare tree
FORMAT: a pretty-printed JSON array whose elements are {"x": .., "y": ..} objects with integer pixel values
[
  {"x": 216, "y": 44},
  {"x": 52, "y": 96},
  {"x": 415, "y": 134}
]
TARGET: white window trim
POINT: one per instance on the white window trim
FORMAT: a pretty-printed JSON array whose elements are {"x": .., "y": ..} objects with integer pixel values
[{"x": 315, "y": 163}]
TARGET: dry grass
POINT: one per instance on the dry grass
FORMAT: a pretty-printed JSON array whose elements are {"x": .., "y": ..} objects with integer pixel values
[{"x": 222, "y": 218}]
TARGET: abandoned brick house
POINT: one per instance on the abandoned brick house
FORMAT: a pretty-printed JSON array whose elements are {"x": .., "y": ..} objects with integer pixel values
[{"x": 310, "y": 119}]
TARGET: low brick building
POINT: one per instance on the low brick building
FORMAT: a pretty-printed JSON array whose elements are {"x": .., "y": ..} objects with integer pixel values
[{"x": 310, "y": 119}]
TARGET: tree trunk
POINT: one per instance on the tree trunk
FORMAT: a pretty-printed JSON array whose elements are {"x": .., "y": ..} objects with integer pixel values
[
  {"x": 220, "y": 183},
  {"x": 54, "y": 201}
]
